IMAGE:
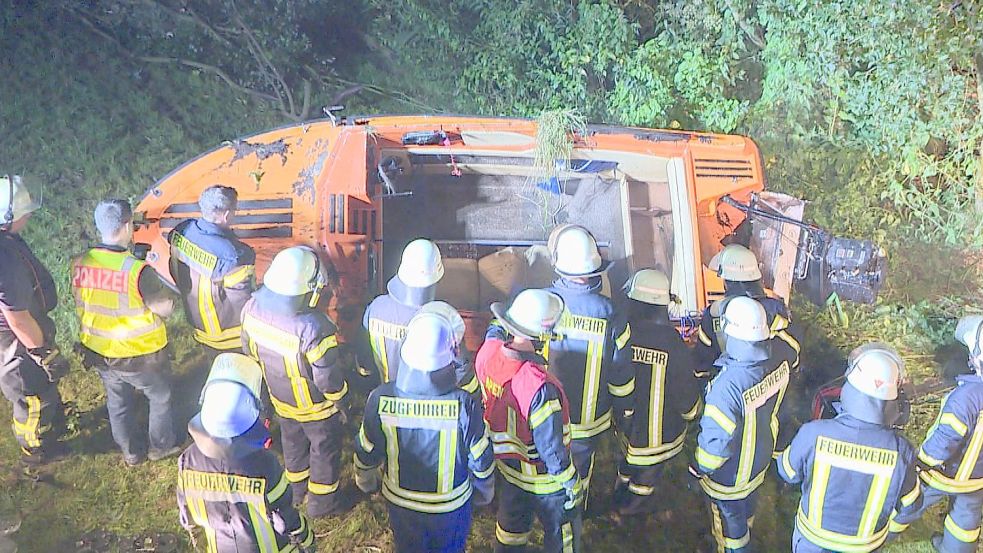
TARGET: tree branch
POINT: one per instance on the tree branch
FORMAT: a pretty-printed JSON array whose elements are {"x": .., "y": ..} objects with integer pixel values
[
  {"x": 271, "y": 68},
  {"x": 749, "y": 30},
  {"x": 189, "y": 16}
]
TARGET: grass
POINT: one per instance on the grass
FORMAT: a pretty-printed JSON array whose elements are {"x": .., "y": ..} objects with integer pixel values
[{"x": 90, "y": 126}]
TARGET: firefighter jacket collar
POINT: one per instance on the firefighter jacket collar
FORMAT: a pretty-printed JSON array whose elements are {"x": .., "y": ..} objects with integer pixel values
[
  {"x": 409, "y": 295},
  {"x": 592, "y": 286},
  {"x": 971, "y": 378},
  {"x": 207, "y": 227},
  {"x": 743, "y": 353},
  {"x": 268, "y": 300},
  {"x": 241, "y": 446},
  {"x": 529, "y": 356},
  {"x": 112, "y": 248},
  {"x": 419, "y": 383},
  {"x": 868, "y": 409}
]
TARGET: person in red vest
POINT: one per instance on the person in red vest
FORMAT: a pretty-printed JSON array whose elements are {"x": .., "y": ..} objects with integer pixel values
[{"x": 529, "y": 418}]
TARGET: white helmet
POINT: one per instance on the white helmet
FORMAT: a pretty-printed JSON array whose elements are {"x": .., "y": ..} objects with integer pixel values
[
  {"x": 15, "y": 199},
  {"x": 447, "y": 311},
  {"x": 429, "y": 344},
  {"x": 969, "y": 331},
  {"x": 746, "y": 319},
  {"x": 574, "y": 252},
  {"x": 294, "y": 272},
  {"x": 533, "y": 313},
  {"x": 875, "y": 370},
  {"x": 230, "y": 399},
  {"x": 736, "y": 264},
  {"x": 420, "y": 265},
  {"x": 649, "y": 286}
]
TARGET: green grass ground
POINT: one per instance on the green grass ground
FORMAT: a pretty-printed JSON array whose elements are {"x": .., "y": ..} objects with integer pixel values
[{"x": 91, "y": 126}]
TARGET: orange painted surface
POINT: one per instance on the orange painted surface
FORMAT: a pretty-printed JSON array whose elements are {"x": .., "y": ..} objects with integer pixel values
[{"x": 308, "y": 184}]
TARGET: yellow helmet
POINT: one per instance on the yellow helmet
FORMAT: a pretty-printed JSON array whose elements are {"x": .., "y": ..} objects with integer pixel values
[{"x": 736, "y": 264}]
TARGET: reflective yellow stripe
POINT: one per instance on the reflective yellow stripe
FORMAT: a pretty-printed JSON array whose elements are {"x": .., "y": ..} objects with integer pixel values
[
  {"x": 471, "y": 386},
  {"x": 639, "y": 489},
  {"x": 581, "y": 431},
  {"x": 322, "y": 348},
  {"x": 692, "y": 413},
  {"x": 514, "y": 539},
  {"x": 262, "y": 529},
  {"x": 542, "y": 414},
  {"x": 649, "y": 456},
  {"x": 237, "y": 276},
  {"x": 928, "y": 459},
  {"x": 322, "y": 489},
  {"x": 839, "y": 542},
  {"x": 28, "y": 430},
  {"x": 480, "y": 446},
  {"x": 963, "y": 535},
  {"x": 895, "y": 527},
  {"x": 539, "y": 484},
  {"x": 392, "y": 453},
  {"x": 295, "y": 477},
  {"x": 620, "y": 341},
  {"x": 657, "y": 393},
  {"x": 622, "y": 391},
  {"x": 199, "y": 515},
  {"x": 316, "y": 412},
  {"x": 704, "y": 339},
  {"x": 971, "y": 457},
  {"x": 778, "y": 323},
  {"x": 910, "y": 497},
  {"x": 817, "y": 492},
  {"x": 709, "y": 460},
  {"x": 306, "y": 530},
  {"x": 230, "y": 338},
  {"x": 422, "y": 502},
  {"x": 942, "y": 482},
  {"x": 278, "y": 490},
  {"x": 727, "y": 493},
  {"x": 364, "y": 440},
  {"x": 447, "y": 460},
  {"x": 717, "y": 527},
  {"x": 206, "y": 306},
  {"x": 566, "y": 532},
  {"x": 786, "y": 466},
  {"x": 954, "y": 422},
  {"x": 482, "y": 474},
  {"x": 788, "y": 339},
  {"x": 718, "y": 416},
  {"x": 731, "y": 543}
]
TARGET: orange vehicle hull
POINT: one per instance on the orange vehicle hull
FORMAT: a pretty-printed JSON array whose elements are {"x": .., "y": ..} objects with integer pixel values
[{"x": 318, "y": 184}]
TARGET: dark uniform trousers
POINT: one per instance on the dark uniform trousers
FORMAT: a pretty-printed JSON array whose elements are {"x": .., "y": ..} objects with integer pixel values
[
  {"x": 965, "y": 511},
  {"x": 36, "y": 403},
  {"x": 733, "y": 518},
  {"x": 312, "y": 457},
  {"x": 634, "y": 492},
  {"x": 561, "y": 527},
  {"x": 415, "y": 532}
]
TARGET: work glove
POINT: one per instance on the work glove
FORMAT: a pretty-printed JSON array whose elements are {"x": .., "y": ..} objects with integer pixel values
[
  {"x": 368, "y": 480},
  {"x": 484, "y": 490},
  {"x": 51, "y": 361},
  {"x": 575, "y": 493}
]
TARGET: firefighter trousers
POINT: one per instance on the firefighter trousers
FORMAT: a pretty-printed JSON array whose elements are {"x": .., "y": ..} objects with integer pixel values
[
  {"x": 561, "y": 527},
  {"x": 311, "y": 455},
  {"x": 582, "y": 450},
  {"x": 961, "y": 529},
  {"x": 414, "y": 532},
  {"x": 634, "y": 492},
  {"x": 731, "y": 522},
  {"x": 37, "y": 407}
]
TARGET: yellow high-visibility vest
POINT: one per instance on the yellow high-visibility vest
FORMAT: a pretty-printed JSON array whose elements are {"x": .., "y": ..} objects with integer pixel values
[{"x": 115, "y": 321}]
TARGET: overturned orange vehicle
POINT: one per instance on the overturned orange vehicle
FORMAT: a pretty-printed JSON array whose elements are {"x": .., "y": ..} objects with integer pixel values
[{"x": 358, "y": 190}]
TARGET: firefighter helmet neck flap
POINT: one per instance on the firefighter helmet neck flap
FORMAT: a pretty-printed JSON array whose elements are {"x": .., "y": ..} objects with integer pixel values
[
  {"x": 969, "y": 332},
  {"x": 296, "y": 271},
  {"x": 874, "y": 375}
]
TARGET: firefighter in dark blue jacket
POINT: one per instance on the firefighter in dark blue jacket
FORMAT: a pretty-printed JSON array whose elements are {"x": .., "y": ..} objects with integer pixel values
[
  {"x": 229, "y": 485},
  {"x": 588, "y": 346},
  {"x": 739, "y": 426},
  {"x": 855, "y": 470},
  {"x": 432, "y": 442},
  {"x": 213, "y": 270},
  {"x": 666, "y": 394},
  {"x": 296, "y": 345},
  {"x": 738, "y": 267},
  {"x": 951, "y": 458}
]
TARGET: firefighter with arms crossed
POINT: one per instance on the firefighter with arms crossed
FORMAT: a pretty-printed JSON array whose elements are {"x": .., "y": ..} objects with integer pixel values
[
  {"x": 529, "y": 417},
  {"x": 951, "y": 457},
  {"x": 213, "y": 269},
  {"x": 120, "y": 302},
  {"x": 855, "y": 470},
  {"x": 296, "y": 345},
  {"x": 30, "y": 362},
  {"x": 666, "y": 395},
  {"x": 229, "y": 485},
  {"x": 432, "y": 440},
  {"x": 739, "y": 427}
]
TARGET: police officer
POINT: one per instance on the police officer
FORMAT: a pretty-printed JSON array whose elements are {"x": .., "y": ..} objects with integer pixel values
[
  {"x": 229, "y": 485},
  {"x": 529, "y": 417},
  {"x": 585, "y": 352},
  {"x": 950, "y": 456},
  {"x": 433, "y": 441},
  {"x": 120, "y": 302},
  {"x": 738, "y": 267},
  {"x": 213, "y": 269},
  {"x": 739, "y": 426},
  {"x": 296, "y": 345},
  {"x": 30, "y": 363},
  {"x": 855, "y": 470},
  {"x": 666, "y": 394}
]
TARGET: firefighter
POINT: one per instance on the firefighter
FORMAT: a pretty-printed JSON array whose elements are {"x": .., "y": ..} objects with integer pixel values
[
  {"x": 739, "y": 426},
  {"x": 585, "y": 352},
  {"x": 297, "y": 348},
  {"x": 466, "y": 378},
  {"x": 229, "y": 485},
  {"x": 950, "y": 456},
  {"x": 121, "y": 302},
  {"x": 213, "y": 269},
  {"x": 30, "y": 362},
  {"x": 433, "y": 441},
  {"x": 529, "y": 417},
  {"x": 738, "y": 267},
  {"x": 666, "y": 395},
  {"x": 855, "y": 469}
]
